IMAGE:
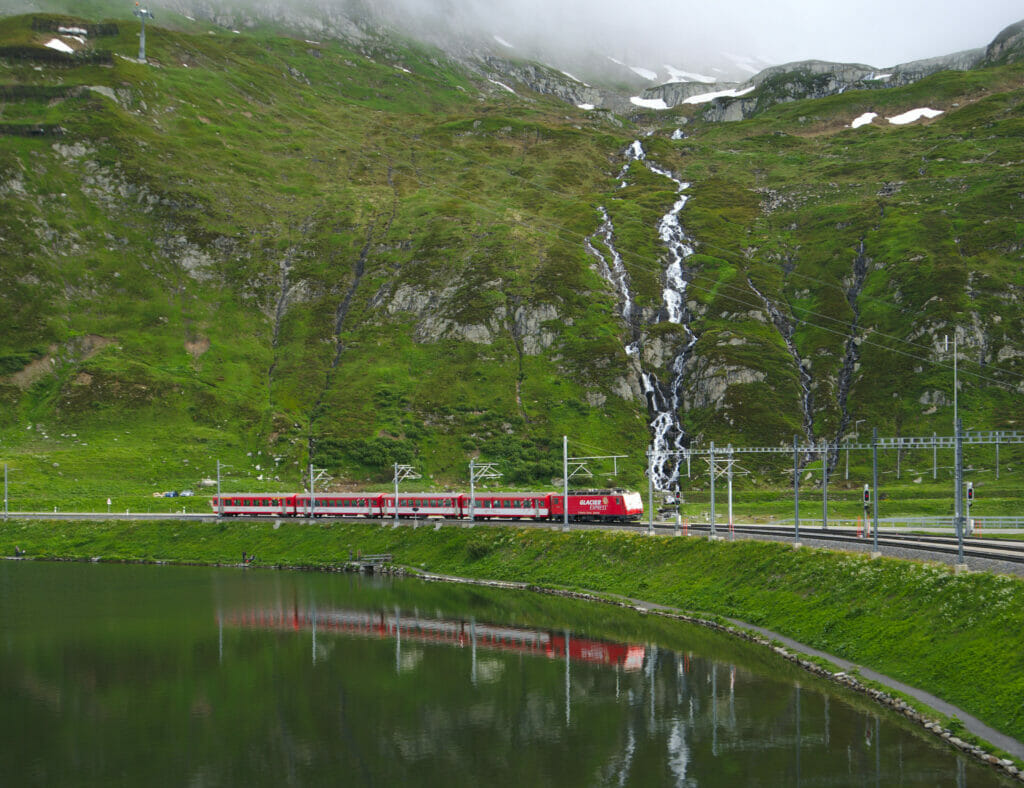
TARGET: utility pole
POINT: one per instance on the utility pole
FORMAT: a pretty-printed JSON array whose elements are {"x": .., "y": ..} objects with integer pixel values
[
  {"x": 650, "y": 492},
  {"x": 220, "y": 501},
  {"x": 565, "y": 482},
  {"x": 796, "y": 490},
  {"x": 5, "y": 490},
  {"x": 142, "y": 13},
  {"x": 959, "y": 493},
  {"x": 711, "y": 459},
  {"x": 874, "y": 482},
  {"x": 730, "y": 461},
  {"x": 824, "y": 485}
]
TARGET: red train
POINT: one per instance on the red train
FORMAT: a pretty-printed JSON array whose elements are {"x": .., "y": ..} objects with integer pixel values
[{"x": 604, "y": 506}]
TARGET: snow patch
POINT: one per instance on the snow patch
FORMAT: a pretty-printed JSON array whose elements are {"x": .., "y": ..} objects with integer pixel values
[
  {"x": 575, "y": 79},
  {"x": 863, "y": 120},
  {"x": 678, "y": 134},
  {"x": 704, "y": 98},
  {"x": 648, "y": 103},
  {"x": 646, "y": 73},
  {"x": 502, "y": 85},
  {"x": 403, "y": 68},
  {"x": 584, "y": 106},
  {"x": 678, "y": 75},
  {"x": 914, "y": 114},
  {"x": 60, "y": 46},
  {"x": 503, "y": 42},
  {"x": 615, "y": 60},
  {"x": 73, "y": 31},
  {"x": 880, "y": 76}
]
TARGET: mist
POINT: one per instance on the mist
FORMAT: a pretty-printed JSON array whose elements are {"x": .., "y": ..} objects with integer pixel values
[{"x": 681, "y": 33}]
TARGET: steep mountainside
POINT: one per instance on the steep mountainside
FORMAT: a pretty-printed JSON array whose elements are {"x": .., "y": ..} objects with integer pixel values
[{"x": 269, "y": 251}]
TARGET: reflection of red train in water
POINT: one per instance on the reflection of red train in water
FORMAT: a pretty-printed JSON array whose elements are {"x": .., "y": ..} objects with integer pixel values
[
  {"x": 452, "y": 632},
  {"x": 614, "y": 505}
]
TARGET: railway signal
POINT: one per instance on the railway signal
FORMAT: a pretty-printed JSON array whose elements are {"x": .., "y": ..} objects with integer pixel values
[
  {"x": 970, "y": 502},
  {"x": 867, "y": 500}
]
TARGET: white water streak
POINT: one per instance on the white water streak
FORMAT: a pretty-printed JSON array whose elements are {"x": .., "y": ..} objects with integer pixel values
[{"x": 667, "y": 443}]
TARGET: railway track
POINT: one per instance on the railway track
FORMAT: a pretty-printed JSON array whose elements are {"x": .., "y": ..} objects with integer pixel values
[{"x": 974, "y": 547}]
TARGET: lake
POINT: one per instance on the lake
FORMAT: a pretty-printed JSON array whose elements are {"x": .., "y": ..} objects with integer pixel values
[{"x": 134, "y": 675}]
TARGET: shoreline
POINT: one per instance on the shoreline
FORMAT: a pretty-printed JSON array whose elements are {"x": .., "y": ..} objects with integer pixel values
[{"x": 794, "y": 652}]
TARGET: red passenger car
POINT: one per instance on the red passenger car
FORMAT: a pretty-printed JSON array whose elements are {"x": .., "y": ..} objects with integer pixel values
[{"x": 273, "y": 504}]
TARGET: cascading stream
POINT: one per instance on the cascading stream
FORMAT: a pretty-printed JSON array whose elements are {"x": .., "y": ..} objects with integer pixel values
[
  {"x": 668, "y": 438},
  {"x": 785, "y": 329}
]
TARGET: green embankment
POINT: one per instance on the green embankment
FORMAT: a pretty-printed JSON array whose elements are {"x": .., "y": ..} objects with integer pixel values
[{"x": 957, "y": 636}]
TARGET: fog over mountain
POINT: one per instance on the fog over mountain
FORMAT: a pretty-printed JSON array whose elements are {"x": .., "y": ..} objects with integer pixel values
[{"x": 650, "y": 34}]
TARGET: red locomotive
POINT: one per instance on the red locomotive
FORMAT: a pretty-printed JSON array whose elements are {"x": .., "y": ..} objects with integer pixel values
[{"x": 606, "y": 506}]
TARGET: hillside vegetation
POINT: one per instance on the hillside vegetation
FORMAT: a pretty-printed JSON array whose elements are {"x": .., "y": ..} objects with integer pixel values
[{"x": 272, "y": 251}]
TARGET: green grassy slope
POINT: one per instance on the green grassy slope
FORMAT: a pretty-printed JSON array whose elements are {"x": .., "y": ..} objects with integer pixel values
[{"x": 265, "y": 251}]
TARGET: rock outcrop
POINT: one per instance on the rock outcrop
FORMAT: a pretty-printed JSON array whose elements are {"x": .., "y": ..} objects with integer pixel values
[{"x": 1008, "y": 46}]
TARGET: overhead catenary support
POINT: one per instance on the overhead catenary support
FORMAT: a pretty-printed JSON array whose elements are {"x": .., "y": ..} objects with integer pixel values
[
  {"x": 959, "y": 494},
  {"x": 220, "y": 501},
  {"x": 729, "y": 464},
  {"x": 796, "y": 488},
  {"x": 402, "y": 472},
  {"x": 711, "y": 460},
  {"x": 874, "y": 485},
  {"x": 824, "y": 485},
  {"x": 485, "y": 470},
  {"x": 650, "y": 492},
  {"x": 320, "y": 474},
  {"x": 565, "y": 482}
]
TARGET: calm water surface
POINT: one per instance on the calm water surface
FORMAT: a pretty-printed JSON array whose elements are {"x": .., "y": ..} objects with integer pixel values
[{"x": 136, "y": 675}]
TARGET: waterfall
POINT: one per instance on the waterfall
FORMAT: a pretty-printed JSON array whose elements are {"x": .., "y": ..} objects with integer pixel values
[{"x": 668, "y": 438}]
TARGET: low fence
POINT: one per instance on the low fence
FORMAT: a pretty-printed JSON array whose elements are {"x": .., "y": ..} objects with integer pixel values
[{"x": 930, "y": 523}]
